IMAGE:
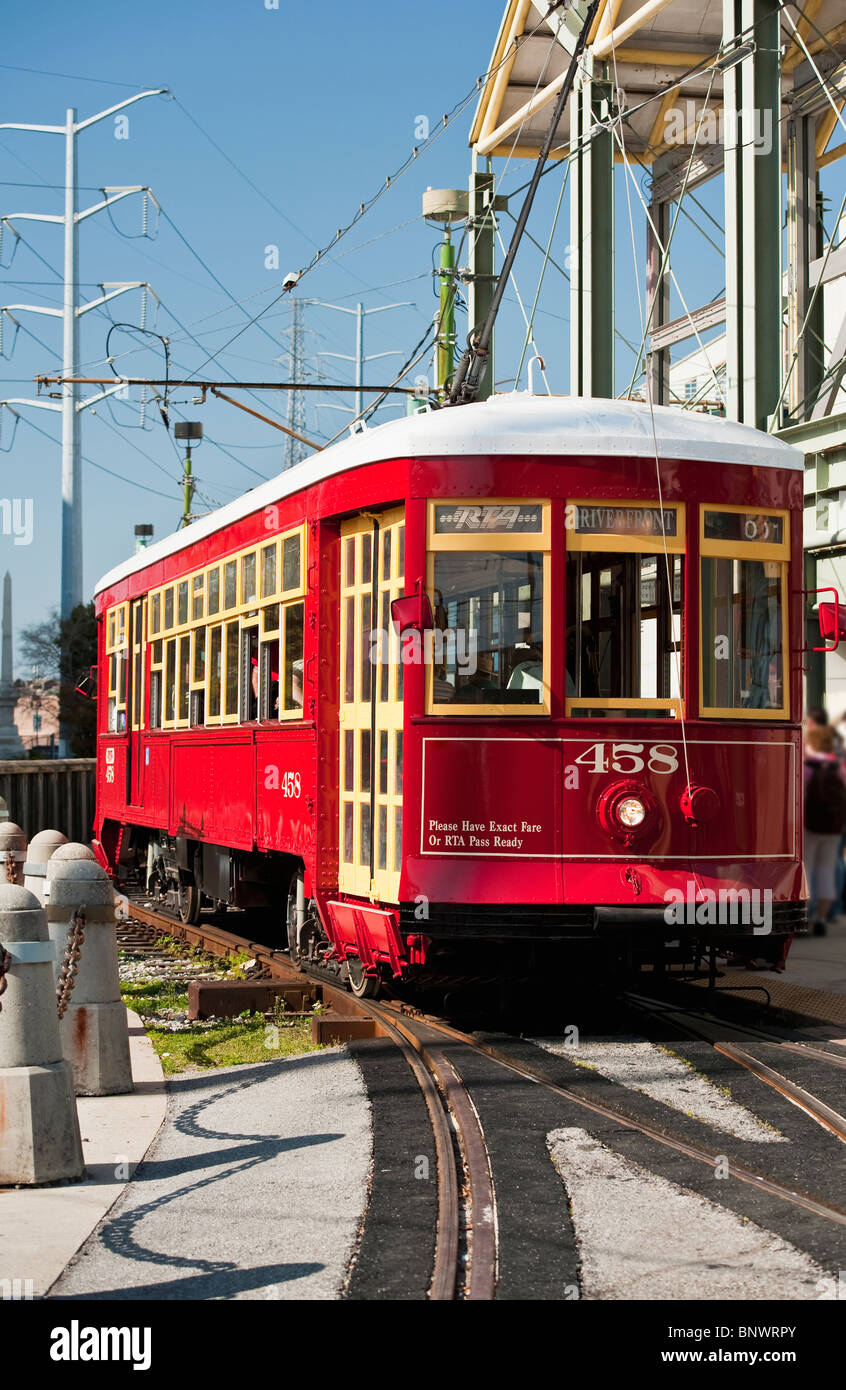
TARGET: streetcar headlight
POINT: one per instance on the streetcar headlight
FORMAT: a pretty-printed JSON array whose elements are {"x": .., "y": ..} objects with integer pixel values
[{"x": 630, "y": 812}]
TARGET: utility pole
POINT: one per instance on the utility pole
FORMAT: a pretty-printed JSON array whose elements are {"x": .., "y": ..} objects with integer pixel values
[
  {"x": 70, "y": 314},
  {"x": 359, "y": 357},
  {"x": 446, "y": 315},
  {"x": 188, "y": 430}
]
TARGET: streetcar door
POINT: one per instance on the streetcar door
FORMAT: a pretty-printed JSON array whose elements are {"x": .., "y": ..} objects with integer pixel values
[
  {"x": 137, "y": 663},
  {"x": 370, "y": 713}
]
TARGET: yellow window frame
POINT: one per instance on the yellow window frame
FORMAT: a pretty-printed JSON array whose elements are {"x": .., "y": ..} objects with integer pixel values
[
  {"x": 776, "y": 552},
  {"x": 355, "y": 715},
  {"x": 168, "y": 721},
  {"x": 139, "y": 649},
  {"x": 490, "y": 540},
  {"x": 626, "y": 545},
  {"x": 266, "y": 596},
  {"x": 154, "y": 605},
  {"x": 166, "y": 626},
  {"x": 117, "y": 650}
]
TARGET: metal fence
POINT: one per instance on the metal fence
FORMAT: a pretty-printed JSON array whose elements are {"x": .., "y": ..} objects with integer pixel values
[{"x": 50, "y": 794}]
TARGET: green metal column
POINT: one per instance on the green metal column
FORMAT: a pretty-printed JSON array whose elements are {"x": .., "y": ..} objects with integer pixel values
[
  {"x": 446, "y": 315},
  {"x": 592, "y": 236},
  {"x": 189, "y": 489},
  {"x": 752, "y": 108},
  {"x": 805, "y": 244},
  {"x": 481, "y": 229}
]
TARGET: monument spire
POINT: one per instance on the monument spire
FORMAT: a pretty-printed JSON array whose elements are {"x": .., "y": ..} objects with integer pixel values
[
  {"x": 6, "y": 661},
  {"x": 10, "y": 740}
]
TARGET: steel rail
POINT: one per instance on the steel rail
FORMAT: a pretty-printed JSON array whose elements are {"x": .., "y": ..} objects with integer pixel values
[
  {"x": 445, "y": 1265},
  {"x": 802, "y": 1049},
  {"x": 483, "y": 1255},
  {"x": 709, "y": 1032},
  {"x": 429, "y": 1078}
]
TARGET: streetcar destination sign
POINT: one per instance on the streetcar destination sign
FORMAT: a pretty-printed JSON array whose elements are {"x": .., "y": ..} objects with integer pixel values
[{"x": 621, "y": 521}]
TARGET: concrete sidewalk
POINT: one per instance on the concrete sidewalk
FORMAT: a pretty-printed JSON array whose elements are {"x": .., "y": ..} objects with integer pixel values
[
  {"x": 254, "y": 1189},
  {"x": 819, "y": 962},
  {"x": 41, "y": 1228}
]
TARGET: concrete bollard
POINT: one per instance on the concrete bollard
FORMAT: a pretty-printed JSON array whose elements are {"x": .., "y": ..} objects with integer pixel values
[
  {"x": 72, "y": 850},
  {"x": 12, "y": 852},
  {"x": 39, "y": 1131},
  {"x": 4, "y": 810},
  {"x": 41, "y": 847},
  {"x": 94, "y": 1028}
]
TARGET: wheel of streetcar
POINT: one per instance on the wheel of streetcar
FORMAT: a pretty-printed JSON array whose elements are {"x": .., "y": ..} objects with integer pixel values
[
  {"x": 363, "y": 986},
  {"x": 189, "y": 901},
  {"x": 297, "y": 957}
]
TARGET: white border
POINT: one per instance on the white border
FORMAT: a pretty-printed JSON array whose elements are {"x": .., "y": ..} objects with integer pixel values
[{"x": 580, "y": 858}]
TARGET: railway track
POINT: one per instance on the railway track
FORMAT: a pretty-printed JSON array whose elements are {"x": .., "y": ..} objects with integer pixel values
[
  {"x": 701, "y": 1026},
  {"x": 433, "y": 1049},
  {"x": 466, "y": 1200}
]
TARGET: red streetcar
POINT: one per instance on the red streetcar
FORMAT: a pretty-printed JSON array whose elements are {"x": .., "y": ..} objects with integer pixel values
[{"x": 581, "y": 722}]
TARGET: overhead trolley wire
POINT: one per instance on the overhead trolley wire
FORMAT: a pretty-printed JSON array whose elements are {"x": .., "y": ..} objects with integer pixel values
[
  {"x": 131, "y": 482},
  {"x": 322, "y": 253}
]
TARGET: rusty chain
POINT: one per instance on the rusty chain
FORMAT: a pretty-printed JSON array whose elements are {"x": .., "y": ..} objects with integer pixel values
[
  {"x": 11, "y": 868},
  {"x": 70, "y": 963},
  {"x": 5, "y": 962}
]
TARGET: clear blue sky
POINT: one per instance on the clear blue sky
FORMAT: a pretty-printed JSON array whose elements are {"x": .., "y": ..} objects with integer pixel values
[{"x": 315, "y": 105}]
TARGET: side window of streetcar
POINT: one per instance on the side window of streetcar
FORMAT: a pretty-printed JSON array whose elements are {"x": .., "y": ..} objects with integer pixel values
[
  {"x": 744, "y": 612},
  {"x": 117, "y": 663}
]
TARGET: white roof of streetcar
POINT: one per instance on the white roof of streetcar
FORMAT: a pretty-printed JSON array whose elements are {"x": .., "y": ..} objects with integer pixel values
[{"x": 517, "y": 423}]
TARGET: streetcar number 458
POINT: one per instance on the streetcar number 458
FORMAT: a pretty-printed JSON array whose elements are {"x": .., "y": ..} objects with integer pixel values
[{"x": 626, "y": 757}]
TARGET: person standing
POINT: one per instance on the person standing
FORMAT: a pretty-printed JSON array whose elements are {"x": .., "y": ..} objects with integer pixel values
[{"x": 825, "y": 820}]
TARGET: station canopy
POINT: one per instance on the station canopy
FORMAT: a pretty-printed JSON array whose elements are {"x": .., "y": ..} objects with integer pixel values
[{"x": 646, "y": 45}]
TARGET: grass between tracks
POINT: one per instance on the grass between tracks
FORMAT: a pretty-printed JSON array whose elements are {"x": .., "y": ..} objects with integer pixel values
[
  {"x": 230, "y": 1043},
  {"x": 225, "y": 1042}
]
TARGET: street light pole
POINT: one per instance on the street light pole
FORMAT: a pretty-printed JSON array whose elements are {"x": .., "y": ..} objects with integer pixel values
[
  {"x": 359, "y": 358},
  {"x": 71, "y": 311},
  {"x": 71, "y": 581}
]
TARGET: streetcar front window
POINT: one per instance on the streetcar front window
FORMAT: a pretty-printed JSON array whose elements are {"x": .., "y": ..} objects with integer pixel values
[
  {"x": 742, "y": 634},
  {"x": 624, "y": 636},
  {"x": 487, "y": 641},
  {"x": 743, "y": 612}
]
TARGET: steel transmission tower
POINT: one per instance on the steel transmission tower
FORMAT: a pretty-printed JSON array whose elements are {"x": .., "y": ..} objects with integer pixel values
[{"x": 71, "y": 406}]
